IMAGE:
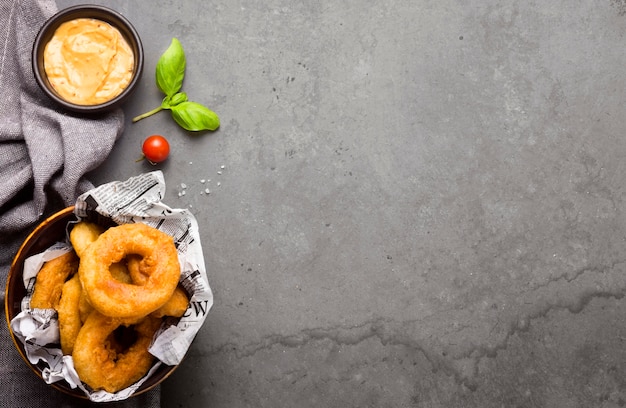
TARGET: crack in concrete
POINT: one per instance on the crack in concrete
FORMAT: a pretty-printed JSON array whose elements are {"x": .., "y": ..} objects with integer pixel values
[
  {"x": 381, "y": 328},
  {"x": 390, "y": 332},
  {"x": 570, "y": 277},
  {"x": 478, "y": 352},
  {"x": 523, "y": 324}
]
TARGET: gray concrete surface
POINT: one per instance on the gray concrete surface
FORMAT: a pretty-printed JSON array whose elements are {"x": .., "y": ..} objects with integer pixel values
[{"x": 422, "y": 203}]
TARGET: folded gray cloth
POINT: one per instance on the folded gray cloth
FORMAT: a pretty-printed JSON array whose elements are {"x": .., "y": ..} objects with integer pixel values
[{"x": 44, "y": 156}]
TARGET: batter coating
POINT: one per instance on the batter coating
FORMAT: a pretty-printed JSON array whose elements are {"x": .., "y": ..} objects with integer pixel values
[
  {"x": 50, "y": 280},
  {"x": 83, "y": 234},
  {"x": 159, "y": 263},
  {"x": 176, "y": 306},
  {"x": 102, "y": 363},
  {"x": 69, "y": 316},
  {"x": 84, "y": 307}
]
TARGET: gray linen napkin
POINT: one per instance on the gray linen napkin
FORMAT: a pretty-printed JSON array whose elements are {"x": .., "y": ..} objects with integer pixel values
[{"x": 44, "y": 156}]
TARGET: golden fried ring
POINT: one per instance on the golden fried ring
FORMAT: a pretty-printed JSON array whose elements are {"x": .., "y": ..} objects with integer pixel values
[
  {"x": 101, "y": 364},
  {"x": 84, "y": 307},
  {"x": 50, "y": 280},
  {"x": 176, "y": 306},
  {"x": 119, "y": 272},
  {"x": 69, "y": 316},
  {"x": 136, "y": 270},
  {"x": 159, "y": 262},
  {"x": 83, "y": 234}
]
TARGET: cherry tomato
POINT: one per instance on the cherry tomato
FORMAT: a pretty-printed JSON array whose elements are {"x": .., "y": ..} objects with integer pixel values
[{"x": 155, "y": 148}]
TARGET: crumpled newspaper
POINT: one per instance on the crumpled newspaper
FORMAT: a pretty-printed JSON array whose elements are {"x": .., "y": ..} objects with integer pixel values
[{"x": 137, "y": 199}]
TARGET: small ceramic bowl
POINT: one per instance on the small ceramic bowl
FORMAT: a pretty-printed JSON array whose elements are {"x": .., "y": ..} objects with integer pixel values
[
  {"x": 50, "y": 231},
  {"x": 107, "y": 15}
]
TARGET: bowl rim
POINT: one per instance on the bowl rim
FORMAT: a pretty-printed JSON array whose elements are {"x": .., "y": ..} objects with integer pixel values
[
  {"x": 99, "y": 12},
  {"x": 18, "y": 261}
]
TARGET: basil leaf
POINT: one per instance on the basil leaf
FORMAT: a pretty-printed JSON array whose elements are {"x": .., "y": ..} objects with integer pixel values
[
  {"x": 170, "y": 69},
  {"x": 170, "y": 72},
  {"x": 171, "y": 101},
  {"x": 195, "y": 117}
]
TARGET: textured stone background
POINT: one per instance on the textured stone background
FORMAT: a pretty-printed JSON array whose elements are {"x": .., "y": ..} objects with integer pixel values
[{"x": 421, "y": 206}]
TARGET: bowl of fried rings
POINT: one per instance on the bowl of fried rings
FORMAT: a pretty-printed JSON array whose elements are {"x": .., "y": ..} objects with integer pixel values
[{"x": 53, "y": 229}]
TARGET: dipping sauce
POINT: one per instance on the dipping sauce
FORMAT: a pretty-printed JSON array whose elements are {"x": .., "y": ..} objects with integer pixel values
[{"x": 88, "y": 61}]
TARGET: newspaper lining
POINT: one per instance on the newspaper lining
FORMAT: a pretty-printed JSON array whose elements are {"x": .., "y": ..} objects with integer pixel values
[{"x": 137, "y": 199}]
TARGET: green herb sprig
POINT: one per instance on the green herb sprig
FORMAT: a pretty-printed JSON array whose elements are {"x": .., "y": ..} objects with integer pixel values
[{"x": 170, "y": 72}]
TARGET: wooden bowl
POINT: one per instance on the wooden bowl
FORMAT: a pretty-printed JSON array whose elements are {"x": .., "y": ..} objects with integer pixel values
[{"x": 52, "y": 230}]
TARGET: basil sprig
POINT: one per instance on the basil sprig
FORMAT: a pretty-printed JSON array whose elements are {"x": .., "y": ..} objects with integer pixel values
[{"x": 170, "y": 72}]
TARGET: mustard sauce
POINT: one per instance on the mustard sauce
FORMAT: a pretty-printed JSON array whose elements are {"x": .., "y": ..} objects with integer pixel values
[{"x": 88, "y": 61}]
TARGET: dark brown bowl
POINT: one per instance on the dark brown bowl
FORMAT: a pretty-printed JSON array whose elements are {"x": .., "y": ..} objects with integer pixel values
[
  {"x": 87, "y": 11},
  {"x": 50, "y": 231}
]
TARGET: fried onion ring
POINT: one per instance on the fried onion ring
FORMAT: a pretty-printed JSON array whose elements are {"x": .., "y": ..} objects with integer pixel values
[
  {"x": 50, "y": 280},
  {"x": 159, "y": 262},
  {"x": 119, "y": 272},
  {"x": 84, "y": 307},
  {"x": 102, "y": 363},
  {"x": 69, "y": 316},
  {"x": 127, "y": 271},
  {"x": 136, "y": 270},
  {"x": 83, "y": 234},
  {"x": 176, "y": 306}
]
